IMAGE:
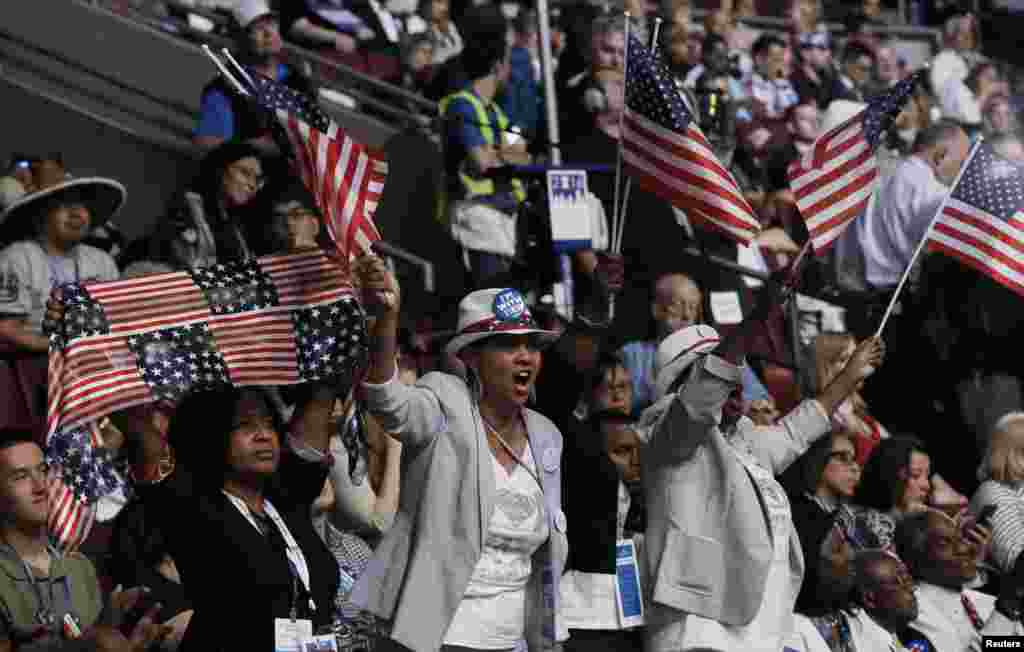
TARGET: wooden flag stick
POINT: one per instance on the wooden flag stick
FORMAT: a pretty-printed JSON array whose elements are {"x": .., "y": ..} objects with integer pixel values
[
  {"x": 928, "y": 232},
  {"x": 224, "y": 70},
  {"x": 619, "y": 226}
]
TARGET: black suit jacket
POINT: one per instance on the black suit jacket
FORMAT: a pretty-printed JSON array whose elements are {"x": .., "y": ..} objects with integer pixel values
[{"x": 237, "y": 581}]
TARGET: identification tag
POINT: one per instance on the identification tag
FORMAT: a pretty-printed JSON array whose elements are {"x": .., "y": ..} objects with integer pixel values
[
  {"x": 323, "y": 643},
  {"x": 289, "y": 634},
  {"x": 628, "y": 595}
]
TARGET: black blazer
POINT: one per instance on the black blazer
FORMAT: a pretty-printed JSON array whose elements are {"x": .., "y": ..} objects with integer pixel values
[{"x": 237, "y": 581}]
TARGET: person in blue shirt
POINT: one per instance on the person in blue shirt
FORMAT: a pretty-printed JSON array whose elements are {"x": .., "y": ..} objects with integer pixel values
[
  {"x": 223, "y": 115},
  {"x": 677, "y": 303}
]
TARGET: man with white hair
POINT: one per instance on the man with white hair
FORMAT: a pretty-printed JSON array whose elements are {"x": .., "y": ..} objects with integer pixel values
[{"x": 724, "y": 559}]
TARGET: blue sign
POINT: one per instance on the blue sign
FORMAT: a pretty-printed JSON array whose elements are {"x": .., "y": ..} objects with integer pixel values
[{"x": 509, "y": 305}]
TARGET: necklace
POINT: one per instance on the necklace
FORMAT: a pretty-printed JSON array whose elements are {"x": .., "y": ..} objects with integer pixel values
[{"x": 508, "y": 449}]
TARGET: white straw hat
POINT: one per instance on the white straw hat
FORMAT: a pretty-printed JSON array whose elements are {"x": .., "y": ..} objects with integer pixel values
[
  {"x": 104, "y": 197},
  {"x": 497, "y": 311},
  {"x": 678, "y": 351}
]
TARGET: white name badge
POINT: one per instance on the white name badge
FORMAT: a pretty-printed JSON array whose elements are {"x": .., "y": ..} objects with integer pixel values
[
  {"x": 289, "y": 634},
  {"x": 324, "y": 643},
  {"x": 725, "y": 308},
  {"x": 628, "y": 595}
]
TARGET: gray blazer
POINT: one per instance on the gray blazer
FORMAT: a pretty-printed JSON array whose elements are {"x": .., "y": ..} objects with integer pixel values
[
  {"x": 420, "y": 570},
  {"x": 708, "y": 546}
]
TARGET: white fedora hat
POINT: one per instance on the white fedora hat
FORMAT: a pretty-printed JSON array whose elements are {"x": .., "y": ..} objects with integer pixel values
[
  {"x": 678, "y": 351},
  {"x": 103, "y": 196},
  {"x": 497, "y": 311}
]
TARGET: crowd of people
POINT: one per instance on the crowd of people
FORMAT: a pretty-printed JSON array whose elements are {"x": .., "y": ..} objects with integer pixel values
[{"x": 672, "y": 464}]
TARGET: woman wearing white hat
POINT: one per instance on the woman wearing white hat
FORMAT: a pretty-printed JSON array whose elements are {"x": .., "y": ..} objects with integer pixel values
[
  {"x": 477, "y": 548},
  {"x": 725, "y": 565}
]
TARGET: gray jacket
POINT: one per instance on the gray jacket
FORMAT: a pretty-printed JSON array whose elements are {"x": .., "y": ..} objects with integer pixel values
[
  {"x": 708, "y": 547},
  {"x": 420, "y": 570}
]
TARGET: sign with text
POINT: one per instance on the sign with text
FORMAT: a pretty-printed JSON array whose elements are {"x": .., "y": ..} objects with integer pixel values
[{"x": 568, "y": 201}]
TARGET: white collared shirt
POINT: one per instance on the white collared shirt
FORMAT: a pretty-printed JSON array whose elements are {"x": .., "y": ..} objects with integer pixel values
[
  {"x": 905, "y": 203},
  {"x": 944, "y": 620}
]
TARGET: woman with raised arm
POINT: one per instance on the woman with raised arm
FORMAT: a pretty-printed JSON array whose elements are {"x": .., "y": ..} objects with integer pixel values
[{"x": 474, "y": 557}]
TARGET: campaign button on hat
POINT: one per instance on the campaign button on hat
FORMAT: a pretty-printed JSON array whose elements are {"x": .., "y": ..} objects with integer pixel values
[
  {"x": 550, "y": 459},
  {"x": 509, "y": 305}
]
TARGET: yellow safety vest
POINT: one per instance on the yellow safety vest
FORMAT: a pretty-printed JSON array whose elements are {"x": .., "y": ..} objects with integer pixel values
[{"x": 483, "y": 186}]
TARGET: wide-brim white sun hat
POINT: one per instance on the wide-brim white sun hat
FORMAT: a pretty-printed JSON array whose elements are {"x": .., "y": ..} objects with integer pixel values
[
  {"x": 247, "y": 12},
  {"x": 495, "y": 311},
  {"x": 678, "y": 351},
  {"x": 103, "y": 196}
]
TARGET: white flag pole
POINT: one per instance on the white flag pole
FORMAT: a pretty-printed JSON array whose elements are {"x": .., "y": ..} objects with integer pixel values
[
  {"x": 621, "y": 224},
  {"x": 238, "y": 67},
  {"x": 920, "y": 245},
  {"x": 618, "y": 157},
  {"x": 224, "y": 70}
]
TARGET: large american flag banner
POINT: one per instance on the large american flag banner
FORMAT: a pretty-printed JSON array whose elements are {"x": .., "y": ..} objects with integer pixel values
[
  {"x": 346, "y": 177},
  {"x": 274, "y": 320},
  {"x": 666, "y": 153},
  {"x": 833, "y": 182},
  {"x": 981, "y": 224}
]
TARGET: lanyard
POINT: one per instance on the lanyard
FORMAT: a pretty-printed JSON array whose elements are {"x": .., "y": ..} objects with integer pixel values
[
  {"x": 508, "y": 449},
  {"x": 55, "y": 273},
  {"x": 44, "y": 613},
  {"x": 296, "y": 560}
]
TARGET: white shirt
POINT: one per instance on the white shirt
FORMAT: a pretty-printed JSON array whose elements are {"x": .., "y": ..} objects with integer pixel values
[
  {"x": 27, "y": 274},
  {"x": 777, "y": 95},
  {"x": 492, "y": 614},
  {"x": 905, "y": 203},
  {"x": 944, "y": 620}
]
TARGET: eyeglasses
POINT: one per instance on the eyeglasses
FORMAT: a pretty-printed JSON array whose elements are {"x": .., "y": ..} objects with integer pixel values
[{"x": 843, "y": 457}]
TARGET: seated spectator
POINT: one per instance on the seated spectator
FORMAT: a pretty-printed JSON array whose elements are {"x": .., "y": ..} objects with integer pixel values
[
  {"x": 213, "y": 221},
  {"x": 600, "y": 479},
  {"x": 52, "y": 224},
  {"x": 815, "y": 79},
  {"x": 477, "y": 139},
  {"x": 856, "y": 69},
  {"x": 896, "y": 481},
  {"x": 223, "y": 114},
  {"x": 828, "y": 353},
  {"x": 1001, "y": 474},
  {"x": 361, "y": 34},
  {"x": 432, "y": 18},
  {"x": 677, "y": 303},
  {"x": 827, "y": 476},
  {"x": 296, "y": 224},
  {"x": 608, "y": 388},
  {"x": 884, "y": 588},
  {"x": 942, "y": 562},
  {"x": 826, "y": 595},
  {"x": 70, "y": 617}
]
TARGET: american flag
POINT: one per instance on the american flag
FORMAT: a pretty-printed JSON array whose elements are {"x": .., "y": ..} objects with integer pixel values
[
  {"x": 981, "y": 224},
  {"x": 834, "y": 180},
  {"x": 346, "y": 177},
  {"x": 275, "y": 320},
  {"x": 666, "y": 153}
]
